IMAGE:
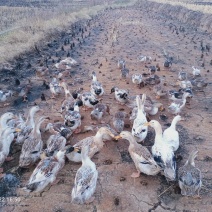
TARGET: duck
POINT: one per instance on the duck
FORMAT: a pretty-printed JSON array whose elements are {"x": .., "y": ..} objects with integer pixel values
[
  {"x": 96, "y": 143},
  {"x": 142, "y": 158},
  {"x": 85, "y": 180},
  {"x": 59, "y": 127},
  {"x": 199, "y": 83},
  {"x": 6, "y": 138},
  {"x": 26, "y": 126},
  {"x": 182, "y": 75},
  {"x": 138, "y": 130},
  {"x": 89, "y": 100},
  {"x": 55, "y": 143},
  {"x": 160, "y": 89},
  {"x": 143, "y": 58},
  {"x": 190, "y": 177},
  {"x": 174, "y": 95},
  {"x": 72, "y": 119},
  {"x": 150, "y": 108},
  {"x": 32, "y": 146},
  {"x": 46, "y": 172},
  {"x": 152, "y": 70},
  {"x": 66, "y": 63},
  {"x": 65, "y": 86},
  {"x": 177, "y": 105},
  {"x": 118, "y": 121},
  {"x": 125, "y": 73},
  {"x": 184, "y": 84},
  {"x": 137, "y": 79},
  {"x": 171, "y": 135},
  {"x": 96, "y": 87},
  {"x": 121, "y": 95},
  {"x": 4, "y": 120},
  {"x": 162, "y": 153},
  {"x": 121, "y": 64},
  {"x": 99, "y": 111},
  {"x": 55, "y": 88},
  {"x": 71, "y": 99},
  {"x": 168, "y": 63},
  {"x": 5, "y": 95},
  {"x": 152, "y": 80},
  {"x": 196, "y": 71}
]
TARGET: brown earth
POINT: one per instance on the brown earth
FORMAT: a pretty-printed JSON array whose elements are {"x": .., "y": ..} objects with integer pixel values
[{"x": 138, "y": 33}]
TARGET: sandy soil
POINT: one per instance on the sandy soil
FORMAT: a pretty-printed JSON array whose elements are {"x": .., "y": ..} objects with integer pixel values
[{"x": 138, "y": 33}]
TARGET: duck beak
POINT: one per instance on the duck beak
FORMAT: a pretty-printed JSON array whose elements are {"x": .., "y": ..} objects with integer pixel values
[
  {"x": 146, "y": 124},
  {"x": 17, "y": 130},
  {"x": 161, "y": 108},
  {"x": 77, "y": 149},
  {"x": 117, "y": 137}
]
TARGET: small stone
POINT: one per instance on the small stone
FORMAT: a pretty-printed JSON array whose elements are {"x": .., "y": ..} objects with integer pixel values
[
  {"x": 116, "y": 201},
  {"x": 122, "y": 179},
  {"x": 144, "y": 183}
]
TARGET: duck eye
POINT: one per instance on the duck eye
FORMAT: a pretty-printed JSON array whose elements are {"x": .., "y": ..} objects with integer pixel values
[
  {"x": 143, "y": 130},
  {"x": 34, "y": 152}
]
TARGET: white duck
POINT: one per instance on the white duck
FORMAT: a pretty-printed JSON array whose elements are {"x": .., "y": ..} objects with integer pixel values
[
  {"x": 163, "y": 154},
  {"x": 137, "y": 79},
  {"x": 121, "y": 95},
  {"x": 178, "y": 104},
  {"x": 4, "y": 95},
  {"x": 139, "y": 131},
  {"x": 144, "y": 162},
  {"x": 72, "y": 119},
  {"x": 96, "y": 87},
  {"x": 121, "y": 64},
  {"x": 171, "y": 135},
  {"x": 46, "y": 172},
  {"x": 196, "y": 71},
  {"x": 6, "y": 139},
  {"x": 55, "y": 88},
  {"x": 85, "y": 180},
  {"x": 4, "y": 120}
]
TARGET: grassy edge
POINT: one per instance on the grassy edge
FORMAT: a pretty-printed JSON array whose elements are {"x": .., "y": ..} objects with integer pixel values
[
  {"x": 21, "y": 40},
  {"x": 190, "y": 6}
]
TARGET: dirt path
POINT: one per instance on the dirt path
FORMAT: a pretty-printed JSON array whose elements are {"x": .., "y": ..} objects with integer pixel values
[{"x": 136, "y": 33}]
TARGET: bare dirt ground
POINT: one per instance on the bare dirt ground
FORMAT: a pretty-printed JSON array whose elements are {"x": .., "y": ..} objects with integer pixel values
[{"x": 138, "y": 33}]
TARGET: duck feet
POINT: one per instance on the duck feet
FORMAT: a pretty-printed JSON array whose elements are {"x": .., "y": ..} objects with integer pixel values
[
  {"x": 135, "y": 174},
  {"x": 90, "y": 200}
]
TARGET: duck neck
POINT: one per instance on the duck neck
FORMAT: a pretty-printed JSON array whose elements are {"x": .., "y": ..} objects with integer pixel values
[
  {"x": 98, "y": 138},
  {"x": 5, "y": 137},
  {"x": 94, "y": 78},
  {"x": 3, "y": 123},
  {"x": 36, "y": 130},
  {"x": 30, "y": 118},
  {"x": 173, "y": 124},
  {"x": 158, "y": 132}
]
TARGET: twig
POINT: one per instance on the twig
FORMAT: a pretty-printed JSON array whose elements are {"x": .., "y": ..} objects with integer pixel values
[{"x": 165, "y": 190}]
